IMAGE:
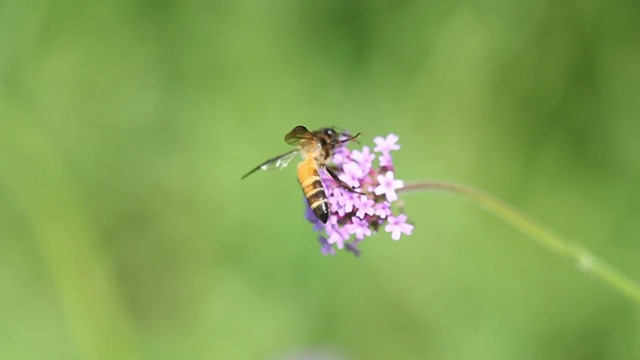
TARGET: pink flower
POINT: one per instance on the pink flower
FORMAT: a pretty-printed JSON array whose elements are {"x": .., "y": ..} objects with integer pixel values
[
  {"x": 365, "y": 207},
  {"x": 326, "y": 248},
  {"x": 348, "y": 200},
  {"x": 387, "y": 144},
  {"x": 398, "y": 225},
  {"x": 340, "y": 155},
  {"x": 388, "y": 186},
  {"x": 383, "y": 210},
  {"x": 386, "y": 160},
  {"x": 337, "y": 237},
  {"x": 364, "y": 158},
  {"x": 352, "y": 174},
  {"x": 360, "y": 228}
]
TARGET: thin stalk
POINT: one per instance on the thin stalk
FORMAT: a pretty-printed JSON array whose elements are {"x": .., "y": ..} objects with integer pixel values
[{"x": 587, "y": 261}]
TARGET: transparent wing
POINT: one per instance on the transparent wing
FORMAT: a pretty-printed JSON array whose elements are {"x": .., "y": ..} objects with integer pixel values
[{"x": 277, "y": 162}]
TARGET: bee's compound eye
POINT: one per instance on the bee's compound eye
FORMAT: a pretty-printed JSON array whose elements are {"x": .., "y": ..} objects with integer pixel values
[{"x": 330, "y": 132}]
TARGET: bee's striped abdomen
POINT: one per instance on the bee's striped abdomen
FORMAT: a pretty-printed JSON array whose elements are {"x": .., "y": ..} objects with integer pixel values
[{"x": 313, "y": 190}]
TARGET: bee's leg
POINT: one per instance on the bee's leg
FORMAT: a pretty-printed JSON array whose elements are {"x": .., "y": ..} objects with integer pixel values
[{"x": 342, "y": 184}]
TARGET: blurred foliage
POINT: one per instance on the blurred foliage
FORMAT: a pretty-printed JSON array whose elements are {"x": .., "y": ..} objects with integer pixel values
[{"x": 125, "y": 231}]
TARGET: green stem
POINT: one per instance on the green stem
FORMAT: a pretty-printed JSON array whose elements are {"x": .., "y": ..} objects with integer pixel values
[{"x": 587, "y": 261}]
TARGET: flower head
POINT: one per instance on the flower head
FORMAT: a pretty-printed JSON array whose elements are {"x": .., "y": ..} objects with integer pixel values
[{"x": 358, "y": 212}]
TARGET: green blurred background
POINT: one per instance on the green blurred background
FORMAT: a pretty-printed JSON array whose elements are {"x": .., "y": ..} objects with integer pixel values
[{"x": 125, "y": 231}]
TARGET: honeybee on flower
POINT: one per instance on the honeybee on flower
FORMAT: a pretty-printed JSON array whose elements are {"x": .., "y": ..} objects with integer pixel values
[{"x": 347, "y": 194}]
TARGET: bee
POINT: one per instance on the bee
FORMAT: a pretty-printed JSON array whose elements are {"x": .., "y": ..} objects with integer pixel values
[{"x": 316, "y": 148}]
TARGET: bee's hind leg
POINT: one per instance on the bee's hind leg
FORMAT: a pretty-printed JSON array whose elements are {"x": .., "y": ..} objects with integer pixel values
[{"x": 342, "y": 184}]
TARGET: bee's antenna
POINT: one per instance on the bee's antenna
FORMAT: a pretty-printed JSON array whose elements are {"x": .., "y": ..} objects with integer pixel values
[
  {"x": 350, "y": 138},
  {"x": 353, "y": 138}
]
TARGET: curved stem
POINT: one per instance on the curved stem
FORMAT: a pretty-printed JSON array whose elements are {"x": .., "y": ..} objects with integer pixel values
[{"x": 587, "y": 261}]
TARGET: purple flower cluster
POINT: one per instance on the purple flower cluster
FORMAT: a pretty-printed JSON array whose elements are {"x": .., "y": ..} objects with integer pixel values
[{"x": 367, "y": 208}]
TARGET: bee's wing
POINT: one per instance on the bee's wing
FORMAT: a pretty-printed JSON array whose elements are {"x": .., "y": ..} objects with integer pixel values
[
  {"x": 277, "y": 162},
  {"x": 298, "y": 133}
]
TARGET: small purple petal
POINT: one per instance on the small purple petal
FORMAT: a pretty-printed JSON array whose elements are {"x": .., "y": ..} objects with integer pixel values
[
  {"x": 383, "y": 209},
  {"x": 334, "y": 195},
  {"x": 352, "y": 174},
  {"x": 365, "y": 207},
  {"x": 334, "y": 199},
  {"x": 340, "y": 155},
  {"x": 353, "y": 247},
  {"x": 386, "y": 160},
  {"x": 312, "y": 218},
  {"x": 388, "y": 186},
  {"x": 335, "y": 236},
  {"x": 364, "y": 158},
  {"x": 360, "y": 228},
  {"x": 348, "y": 201},
  {"x": 386, "y": 144},
  {"x": 308, "y": 213},
  {"x": 398, "y": 225},
  {"x": 326, "y": 248}
]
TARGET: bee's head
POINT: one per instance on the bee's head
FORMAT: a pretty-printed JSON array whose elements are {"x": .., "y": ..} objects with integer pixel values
[{"x": 332, "y": 135}]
